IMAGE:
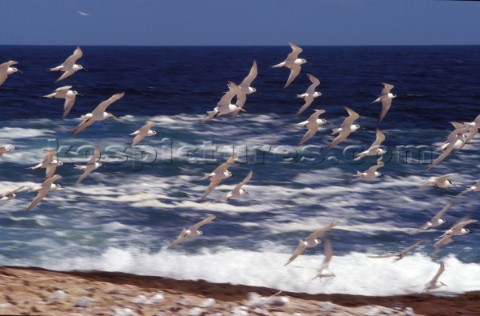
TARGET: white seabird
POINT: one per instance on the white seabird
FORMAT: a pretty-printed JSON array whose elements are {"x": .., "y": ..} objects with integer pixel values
[
  {"x": 192, "y": 231},
  {"x": 69, "y": 67},
  {"x": 293, "y": 63}
]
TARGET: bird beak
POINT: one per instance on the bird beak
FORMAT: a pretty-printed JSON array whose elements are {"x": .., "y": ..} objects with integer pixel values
[{"x": 243, "y": 110}]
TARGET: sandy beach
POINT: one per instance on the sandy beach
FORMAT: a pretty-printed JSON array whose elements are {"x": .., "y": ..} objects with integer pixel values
[{"x": 36, "y": 291}]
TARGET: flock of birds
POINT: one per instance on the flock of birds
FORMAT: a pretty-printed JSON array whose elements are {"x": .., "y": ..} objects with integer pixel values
[{"x": 462, "y": 134}]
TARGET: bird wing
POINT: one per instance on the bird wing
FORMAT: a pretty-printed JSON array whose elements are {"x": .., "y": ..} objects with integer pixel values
[
  {"x": 65, "y": 75},
  {"x": 386, "y": 103},
  {"x": 321, "y": 231},
  {"x": 312, "y": 130},
  {"x": 85, "y": 174},
  {"x": 445, "y": 177},
  {"x": 95, "y": 156},
  {"x": 297, "y": 253},
  {"x": 67, "y": 107},
  {"x": 386, "y": 88},
  {"x": 340, "y": 138},
  {"x": 445, "y": 240},
  {"x": 70, "y": 61},
  {"x": 473, "y": 130},
  {"x": 144, "y": 129},
  {"x": 327, "y": 247},
  {"x": 214, "y": 182},
  {"x": 383, "y": 256},
  {"x": 408, "y": 249},
  {"x": 16, "y": 190},
  {"x": 442, "y": 211},
  {"x": 201, "y": 223},
  {"x": 251, "y": 75},
  {"x": 40, "y": 195},
  {"x": 315, "y": 82},
  {"x": 296, "y": 50},
  {"x": 138, "y": 138},
  {"x": 380, "y": 137},
  {"x": 305, "y": 105},
  {"x": 247, "y": 178},
  {"x": 50, "y": 171},
  {"x": 439, "y": 272},
  {"x": 3, "y": 77},
  {"x": 241, "y": 99},
  {"x": 5, "y": 65},
  {"x": 179, "y": 239},
  {"x": 44, "y": 188},
  {"x": 352, "y": 116},
  {"x": 294, "y": 71},
  {"x": 462, "y": 224},
  {"x": 444, "y": 154},
  {"x": 49, "y": 156},
  {"x": 82, "y": 126},
  {"x": 224, "y": 166},
  {"x": 103, "y": 106},
  {"x": 228, "y": 96},
  {"x": 64, "y": 88},
  {"x": 374, "y": 168}
]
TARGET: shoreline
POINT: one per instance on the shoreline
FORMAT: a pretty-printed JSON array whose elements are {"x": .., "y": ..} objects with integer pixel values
[{"x": 38, "y": 291}]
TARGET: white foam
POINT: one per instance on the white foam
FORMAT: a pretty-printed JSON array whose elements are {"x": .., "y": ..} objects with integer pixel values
[
  {"x": 355, "y": 273},
  {"x": 17, "y": 132}
]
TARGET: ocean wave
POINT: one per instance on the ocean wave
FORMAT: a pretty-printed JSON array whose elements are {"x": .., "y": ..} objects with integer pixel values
[{"x": 355, "y": 273}]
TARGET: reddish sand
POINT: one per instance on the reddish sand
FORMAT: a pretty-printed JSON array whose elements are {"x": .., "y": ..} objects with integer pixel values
[{"x": 35, "y": 291}]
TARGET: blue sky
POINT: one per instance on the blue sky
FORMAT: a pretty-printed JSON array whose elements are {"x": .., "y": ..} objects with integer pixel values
[{"x": 240, "y": 22}]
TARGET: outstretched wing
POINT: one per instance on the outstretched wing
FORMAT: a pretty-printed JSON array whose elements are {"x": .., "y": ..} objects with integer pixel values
[
  {"x": 103, "y": 106},
  {"x": 203, "y": 222},
  {"x": 296, "y": 50},
  {"x": 251, "y": 75},
  {"x": 294, "y": 71},
  {"x": 321, "y": 231},
  {"x": 95, "y": 156},
  {"x": 82, "y": 126},
  {"x": 70, "y": 61},
  {"x": 296, "y": 253}
]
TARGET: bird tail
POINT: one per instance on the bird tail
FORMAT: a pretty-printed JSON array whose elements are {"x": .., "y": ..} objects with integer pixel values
[
  {"x": 336, "y": 130},
  {"x": 279, "y": 65},
  {"x": 58, "y": 68},
  {"x": 210, "y": 115},
  {"x": 49, "y": 95},
  {"x": 358, "y": 157}
]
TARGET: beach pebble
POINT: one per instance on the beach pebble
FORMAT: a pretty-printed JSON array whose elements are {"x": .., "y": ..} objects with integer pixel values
[
  {"x": 83, "y": 302},
  {"x": 327, "y": 307},
  {"x": 255, "y": 299},
  {"x": 240, "y": 311},
  {"x": 209, "y": 302},
  {"x": 141, "y": 299},
  {"x": 57, "y": 295},
  {"x": 372, "y": 311},
  {"x": 196, "y": 311},
  {"x": 123, "y": 312},
  {"x": 279, "y": 301},
  {"x": 5, "y": 305},
  {"x": 157, "y": 298}
]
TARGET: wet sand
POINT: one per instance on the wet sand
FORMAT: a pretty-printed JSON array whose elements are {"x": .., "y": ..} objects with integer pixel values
[{"x": 36, "y": 291}]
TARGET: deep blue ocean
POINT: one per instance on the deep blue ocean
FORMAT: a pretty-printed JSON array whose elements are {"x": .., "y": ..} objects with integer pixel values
[{"x": 123, "y": 216}]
